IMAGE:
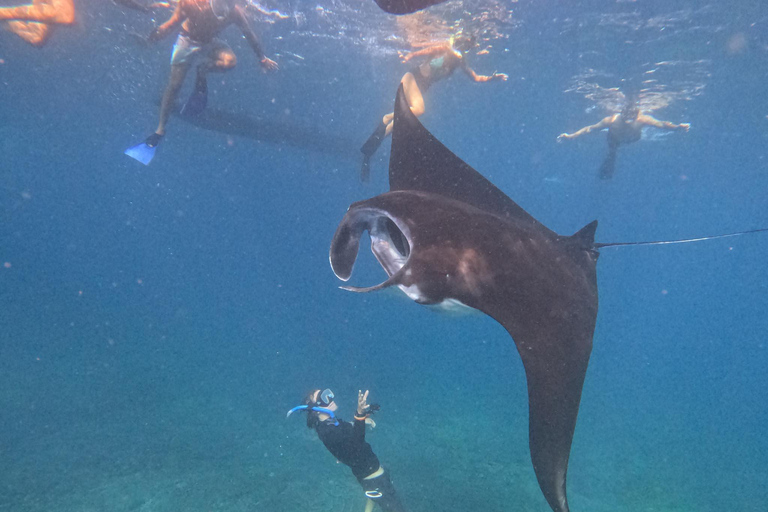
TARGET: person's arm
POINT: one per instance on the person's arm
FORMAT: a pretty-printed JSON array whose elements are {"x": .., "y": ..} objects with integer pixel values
[
  {"x": 429, "y": 50},
  {"x": 605, "y": 123},
  {"x": 173, "y": 22},
  {"x": 666, "y": 125},
  {"x": 481, "y": 78},
  {"x": 242, "y": 22}
]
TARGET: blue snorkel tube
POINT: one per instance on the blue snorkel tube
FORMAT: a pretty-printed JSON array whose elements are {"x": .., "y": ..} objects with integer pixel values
[{"x": 316, "y": 409}]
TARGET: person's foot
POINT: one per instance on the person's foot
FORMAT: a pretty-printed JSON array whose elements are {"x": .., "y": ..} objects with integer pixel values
[
  {"x": 56, "y": 11},
  {"x": 153, "y": 140},
  {"x": 34, "y": 33}
]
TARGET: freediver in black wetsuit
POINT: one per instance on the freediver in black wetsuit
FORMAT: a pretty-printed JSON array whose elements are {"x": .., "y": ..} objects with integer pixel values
[
  {"x": 346, "y": 442},
  {"x": 444, "y": 58},
  {"x": 623, "y": 128}
]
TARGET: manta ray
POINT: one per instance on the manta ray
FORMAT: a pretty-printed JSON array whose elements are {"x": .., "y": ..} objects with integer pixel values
[
  {"x": 445, "y": 233},
  {"x": 405, "y": 6}
]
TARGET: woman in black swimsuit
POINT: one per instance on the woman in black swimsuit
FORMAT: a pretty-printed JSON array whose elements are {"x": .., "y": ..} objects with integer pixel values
[
  {"x": 346, "y": 442},
  {"x": 443, "y": 61}
]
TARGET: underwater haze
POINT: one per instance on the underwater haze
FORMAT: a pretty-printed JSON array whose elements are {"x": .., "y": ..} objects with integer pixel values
[{"x": 157, "y": 322}]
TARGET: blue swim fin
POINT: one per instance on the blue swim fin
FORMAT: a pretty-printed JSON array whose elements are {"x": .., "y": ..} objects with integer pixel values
[
  {"x": 198, "y": 100},
  {"x": 145, "y": 151}
]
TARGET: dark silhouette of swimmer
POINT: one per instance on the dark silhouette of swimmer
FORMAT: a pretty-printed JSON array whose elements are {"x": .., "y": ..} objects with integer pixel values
[
  {"x": 200, "y": 21},
  {"x": 139, "y": 5},
  {"x": 346, "y": 442},
  {"x": 35, "y": 22},
  {"x": 405, "y": 6},
  {"x": 623, "y": 128},
  {"x": 444, "y": 59}
]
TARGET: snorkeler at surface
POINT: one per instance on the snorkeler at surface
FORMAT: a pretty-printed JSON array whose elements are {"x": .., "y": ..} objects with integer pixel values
[
  {"x": 201, "y": 21},
  {"x": 443, "y": 61},
  {"x": 346, "y": 442},
  {"x": 35, "y": 22},
  {"x": 623, "y": 128}
]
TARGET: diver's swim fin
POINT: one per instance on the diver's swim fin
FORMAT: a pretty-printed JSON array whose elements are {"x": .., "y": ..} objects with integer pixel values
[
  {"x": 609, "y": 164},
  {"x": 145, "y": 151},
  {"x": 365, "y": 171},
  {"x": 369, "y": 148},
  {"x": 198, "y": 100},
  {"x": 374, "y": 141}
]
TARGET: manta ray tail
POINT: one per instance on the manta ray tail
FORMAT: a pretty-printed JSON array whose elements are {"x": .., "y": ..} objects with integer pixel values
[{"x": 682, "y": 240}]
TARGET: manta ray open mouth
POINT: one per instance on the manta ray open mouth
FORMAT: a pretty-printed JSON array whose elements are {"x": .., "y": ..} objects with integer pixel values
[{"x": 390, "y": 242}]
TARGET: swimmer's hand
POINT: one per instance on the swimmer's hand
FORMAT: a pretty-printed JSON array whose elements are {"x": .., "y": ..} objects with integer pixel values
[
  {"x": 500, "y": 76},
  {"x": 268, "y": 65},
  {"x": 369, "y": 421},
  {"x": 362, "y": 403},
  {"x": 404, "y": 57},
  {"x": 685, "y": 126},
  {"x": 563, "y": 136}
]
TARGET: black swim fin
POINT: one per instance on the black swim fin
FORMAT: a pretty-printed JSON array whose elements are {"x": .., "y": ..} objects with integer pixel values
[
  {"x": 369, "y": 148},
  {"x": 198, "y": 100},
  {"x": 374, "y": 141},
  {"x": 365, "y": 170},
  {"x": 609, "y": 164}
]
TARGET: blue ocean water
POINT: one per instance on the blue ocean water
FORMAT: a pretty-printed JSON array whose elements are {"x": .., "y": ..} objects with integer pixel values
[{"x": 157, "y": 322}]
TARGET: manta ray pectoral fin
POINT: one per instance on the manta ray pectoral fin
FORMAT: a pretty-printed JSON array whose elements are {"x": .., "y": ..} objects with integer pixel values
[
  {"x": 421, "y": 162},
  {"x": 555, "y": 360},
  {"x": 405, "y": 6}
]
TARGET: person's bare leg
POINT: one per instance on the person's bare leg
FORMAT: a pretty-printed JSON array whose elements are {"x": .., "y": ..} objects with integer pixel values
[
  {"x": 178, "y": 73},
  {"x": 412, "y": 95},
  {"x": 34, "y": 33},
  {"x": 415, "y": 101},
  {"x": 44, "y": 11}
]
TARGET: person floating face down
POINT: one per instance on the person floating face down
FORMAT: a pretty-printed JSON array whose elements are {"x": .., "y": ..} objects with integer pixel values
[
  {"x": 200, "y": 21},
  {"x": 35, "y": 22},
  {"x": 443, "y": 60},
  {"x": 623, "y": 128},
  {"x": 346, "y": 442}
]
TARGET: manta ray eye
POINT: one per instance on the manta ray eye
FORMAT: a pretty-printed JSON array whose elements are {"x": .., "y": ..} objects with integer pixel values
[{"x": 397, "y": 237}]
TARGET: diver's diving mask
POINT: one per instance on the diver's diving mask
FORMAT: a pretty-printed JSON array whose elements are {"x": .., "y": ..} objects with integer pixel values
[
  {"x": 326, "y": 397},
  {"x": 324, "y": 400}
]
